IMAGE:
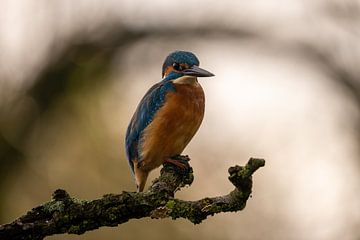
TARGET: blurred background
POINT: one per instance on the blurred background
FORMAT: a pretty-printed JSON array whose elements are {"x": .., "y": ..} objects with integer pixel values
[{"x": 287, "y": 89}]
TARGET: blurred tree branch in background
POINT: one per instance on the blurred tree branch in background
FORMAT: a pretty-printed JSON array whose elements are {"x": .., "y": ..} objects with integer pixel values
[
  {"x": 85, "y": 59},
  {"x": 69, "y": 215}
]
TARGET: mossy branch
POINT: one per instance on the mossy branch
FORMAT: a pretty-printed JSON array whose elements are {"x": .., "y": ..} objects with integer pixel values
[{"x": 64, "y": 214}]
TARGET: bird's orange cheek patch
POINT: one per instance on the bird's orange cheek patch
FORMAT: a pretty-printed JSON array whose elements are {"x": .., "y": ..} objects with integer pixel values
[{"x": 168, "y": 70}]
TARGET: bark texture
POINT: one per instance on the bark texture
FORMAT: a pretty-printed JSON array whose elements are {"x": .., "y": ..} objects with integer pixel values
[{"x": 64, "y": 214}]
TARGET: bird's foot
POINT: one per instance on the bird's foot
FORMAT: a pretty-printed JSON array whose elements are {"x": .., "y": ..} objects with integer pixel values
[{"x": 179, "y": 162}]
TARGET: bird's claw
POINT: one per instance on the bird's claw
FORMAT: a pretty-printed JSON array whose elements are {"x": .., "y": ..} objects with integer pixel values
[{"x": 179, "y": 163}]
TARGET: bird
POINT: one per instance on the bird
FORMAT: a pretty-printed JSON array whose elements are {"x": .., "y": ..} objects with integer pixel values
[{"x": 167, "y": 117}]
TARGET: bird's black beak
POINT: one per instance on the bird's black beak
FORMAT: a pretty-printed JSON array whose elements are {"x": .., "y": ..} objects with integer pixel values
[{"x": 197, "y": 72}]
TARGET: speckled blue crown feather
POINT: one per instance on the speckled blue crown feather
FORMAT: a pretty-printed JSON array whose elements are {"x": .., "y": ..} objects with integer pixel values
[{"x": 180, "y": 57}]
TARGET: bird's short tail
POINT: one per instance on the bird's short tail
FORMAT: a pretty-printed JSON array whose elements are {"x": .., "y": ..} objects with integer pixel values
[{"x": 140, "y": 178}]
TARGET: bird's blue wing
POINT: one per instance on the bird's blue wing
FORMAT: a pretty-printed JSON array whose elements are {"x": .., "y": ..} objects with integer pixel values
[{"x": 152, "y": 101}]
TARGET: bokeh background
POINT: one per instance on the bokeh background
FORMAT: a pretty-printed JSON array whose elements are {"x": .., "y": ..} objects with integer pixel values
[{"x": 287, "y": 88}]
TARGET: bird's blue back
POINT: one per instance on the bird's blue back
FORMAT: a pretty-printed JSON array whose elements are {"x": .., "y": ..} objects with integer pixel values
[{"x": 153, "y": 100}]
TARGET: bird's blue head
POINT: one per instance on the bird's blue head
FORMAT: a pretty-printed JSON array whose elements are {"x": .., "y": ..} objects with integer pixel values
[{"x": 182, "y": 63}]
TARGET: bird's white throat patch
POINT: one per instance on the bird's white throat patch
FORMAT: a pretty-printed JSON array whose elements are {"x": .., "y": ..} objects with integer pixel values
[{"x": 185, "y": 80}]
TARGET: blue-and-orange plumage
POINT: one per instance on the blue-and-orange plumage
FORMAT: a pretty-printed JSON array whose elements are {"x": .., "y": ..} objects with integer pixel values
[{"x": 167, "y": 117}]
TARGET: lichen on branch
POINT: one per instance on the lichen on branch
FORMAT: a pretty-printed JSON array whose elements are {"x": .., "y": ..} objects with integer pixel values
[{"x": 64, "y": 214}]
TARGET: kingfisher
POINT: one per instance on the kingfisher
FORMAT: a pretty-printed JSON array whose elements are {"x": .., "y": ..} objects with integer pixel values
[{"x": 167, "y": 117}]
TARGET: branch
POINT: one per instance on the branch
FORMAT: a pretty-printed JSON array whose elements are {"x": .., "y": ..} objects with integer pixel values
[{"x": 64, "y": 214}]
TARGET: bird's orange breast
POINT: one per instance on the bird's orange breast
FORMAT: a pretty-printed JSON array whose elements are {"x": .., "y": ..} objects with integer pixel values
[{"x": 173, "y": 126}]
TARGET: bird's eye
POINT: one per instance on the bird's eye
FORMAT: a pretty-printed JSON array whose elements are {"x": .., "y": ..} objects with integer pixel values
[{"x": 177, "y": 66}]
